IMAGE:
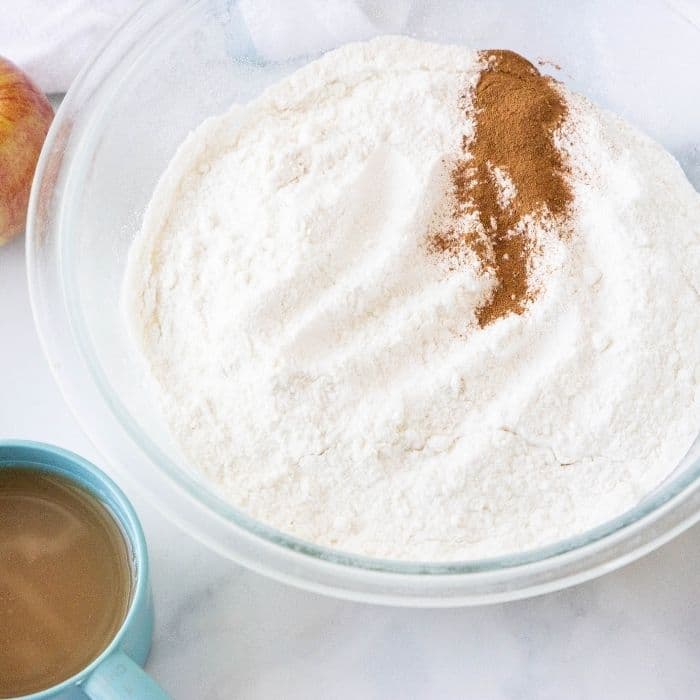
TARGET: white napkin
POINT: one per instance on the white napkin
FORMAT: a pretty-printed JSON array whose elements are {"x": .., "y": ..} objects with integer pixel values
[
  {"x": 52, "y": 39},
  {"x": 280, "y": 28}
]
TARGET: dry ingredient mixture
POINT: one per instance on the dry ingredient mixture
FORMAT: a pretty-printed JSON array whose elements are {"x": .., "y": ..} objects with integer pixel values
[{"x": 421, "y": 302}]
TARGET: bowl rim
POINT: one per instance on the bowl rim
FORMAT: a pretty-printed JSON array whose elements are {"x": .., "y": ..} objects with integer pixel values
[{"x": 63, "y": 334}]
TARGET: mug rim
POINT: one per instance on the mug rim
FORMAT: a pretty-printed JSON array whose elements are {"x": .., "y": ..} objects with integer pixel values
[{"x": 120, "y": 507}]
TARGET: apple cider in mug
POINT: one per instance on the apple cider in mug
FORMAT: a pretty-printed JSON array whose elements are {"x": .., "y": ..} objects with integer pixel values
[{"x": 65, "y": 579}]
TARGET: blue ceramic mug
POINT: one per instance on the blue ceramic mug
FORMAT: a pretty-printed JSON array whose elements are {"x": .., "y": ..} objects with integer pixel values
[{"x": 116, "y": 674}]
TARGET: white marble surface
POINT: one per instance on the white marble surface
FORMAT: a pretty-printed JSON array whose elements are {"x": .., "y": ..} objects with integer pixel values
[{"x": 224, "y": 632}]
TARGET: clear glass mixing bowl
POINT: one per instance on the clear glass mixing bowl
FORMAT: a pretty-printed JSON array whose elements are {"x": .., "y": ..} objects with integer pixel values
[{"x": 174, "y": 63}]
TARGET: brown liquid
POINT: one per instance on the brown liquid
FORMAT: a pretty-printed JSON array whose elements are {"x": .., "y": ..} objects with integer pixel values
[{"x": 65, "y": 579}]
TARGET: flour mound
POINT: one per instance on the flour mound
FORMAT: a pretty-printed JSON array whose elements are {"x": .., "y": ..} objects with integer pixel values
[{"x": 329, "y": 376}]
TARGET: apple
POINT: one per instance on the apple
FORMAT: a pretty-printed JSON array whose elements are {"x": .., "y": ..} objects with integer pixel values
[{"x": 25, "y": 116}]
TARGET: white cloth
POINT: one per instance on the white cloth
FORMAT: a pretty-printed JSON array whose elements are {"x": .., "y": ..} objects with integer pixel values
[{"x": 52, "y": 39}]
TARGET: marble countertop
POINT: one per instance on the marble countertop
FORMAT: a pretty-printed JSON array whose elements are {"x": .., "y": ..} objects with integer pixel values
[{"x": 225, "y": 632}]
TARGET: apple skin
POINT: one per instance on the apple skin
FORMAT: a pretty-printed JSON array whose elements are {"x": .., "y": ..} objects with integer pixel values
[{"x": 25, "y": 117}]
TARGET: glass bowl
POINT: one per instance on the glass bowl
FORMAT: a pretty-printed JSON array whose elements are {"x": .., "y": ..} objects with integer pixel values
[{"x": 175, "y": 62}]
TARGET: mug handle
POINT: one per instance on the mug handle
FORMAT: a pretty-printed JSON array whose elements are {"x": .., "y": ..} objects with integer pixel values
[{"x": 119, "y": 678}]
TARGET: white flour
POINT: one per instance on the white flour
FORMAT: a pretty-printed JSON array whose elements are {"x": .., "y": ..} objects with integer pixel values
[{"x": 327, "y": 375}]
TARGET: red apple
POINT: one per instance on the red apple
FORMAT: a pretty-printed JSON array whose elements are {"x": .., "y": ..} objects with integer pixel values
[{"x": 25, "y": 116}]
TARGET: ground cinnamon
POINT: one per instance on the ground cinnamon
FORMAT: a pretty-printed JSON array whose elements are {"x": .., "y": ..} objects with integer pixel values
[{"x": 516, "y": 111}]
